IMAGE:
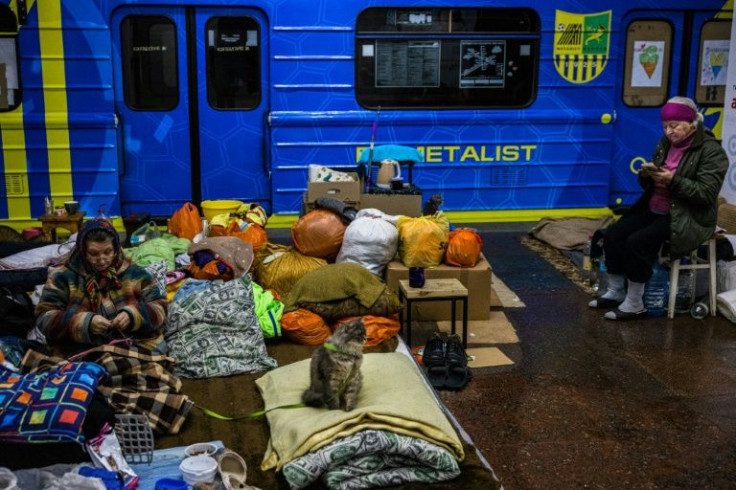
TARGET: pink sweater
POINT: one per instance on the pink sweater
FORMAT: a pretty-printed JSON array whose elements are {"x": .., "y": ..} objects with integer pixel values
[{"x": 660, "y": 201}]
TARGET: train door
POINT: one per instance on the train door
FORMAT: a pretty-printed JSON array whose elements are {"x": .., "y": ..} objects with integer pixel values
[
  {"x": 662, "y": 54},
  {"x": 191, "y": 95}
]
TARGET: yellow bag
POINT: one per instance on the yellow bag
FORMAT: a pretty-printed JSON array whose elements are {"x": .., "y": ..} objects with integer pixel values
[
  {"x": 423, "y": 240},
  {"x": 279, "y": 267}
]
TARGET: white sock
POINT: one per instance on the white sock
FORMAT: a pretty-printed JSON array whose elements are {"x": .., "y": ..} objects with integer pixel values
[
  {"x": 634, "y": 298},
  {"x": 614, "y": 291},
  {"x": 615, "y": 288}
]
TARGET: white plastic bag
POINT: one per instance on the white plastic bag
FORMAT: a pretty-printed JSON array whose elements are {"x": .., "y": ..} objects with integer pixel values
[{"x": 370, "y": 240}]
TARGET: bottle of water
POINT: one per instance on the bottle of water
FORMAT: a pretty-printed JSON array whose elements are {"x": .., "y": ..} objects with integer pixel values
[
  {"x": 587, "y": 265},
  {"x": 656, "y": 291},
  {"x": 685, "y": 290},
  {"x": 597, "y": 269}
]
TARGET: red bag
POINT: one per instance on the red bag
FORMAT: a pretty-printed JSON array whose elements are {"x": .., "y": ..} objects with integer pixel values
[{"x": 185, "y": 222}]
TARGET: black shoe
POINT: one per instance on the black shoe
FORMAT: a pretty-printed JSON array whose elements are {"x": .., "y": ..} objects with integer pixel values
[
  {"x": 434, "y": 351},
  {"x": 455, "y": 353}
]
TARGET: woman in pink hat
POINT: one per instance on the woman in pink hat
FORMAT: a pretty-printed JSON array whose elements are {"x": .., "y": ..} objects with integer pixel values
[{"x": 679, "y": 204}]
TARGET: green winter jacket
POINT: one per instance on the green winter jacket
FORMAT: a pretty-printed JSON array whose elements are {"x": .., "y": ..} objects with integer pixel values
[{"x": 693, "y": 190}]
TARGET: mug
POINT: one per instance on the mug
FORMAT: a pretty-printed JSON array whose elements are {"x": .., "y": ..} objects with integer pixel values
[{"x": 416, "y": 277}]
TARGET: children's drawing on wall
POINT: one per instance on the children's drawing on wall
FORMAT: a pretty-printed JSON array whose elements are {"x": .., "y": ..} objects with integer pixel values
[
  {"x": 647, "y": 64},
  {"x": 714, "y": 63}
]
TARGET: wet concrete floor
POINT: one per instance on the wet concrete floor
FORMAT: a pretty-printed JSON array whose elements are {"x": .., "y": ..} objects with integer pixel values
[{"x": 593, "y": 403}]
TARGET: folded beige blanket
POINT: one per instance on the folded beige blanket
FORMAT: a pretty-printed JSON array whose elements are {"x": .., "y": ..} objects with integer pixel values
[{"x": 394, "y": 397}]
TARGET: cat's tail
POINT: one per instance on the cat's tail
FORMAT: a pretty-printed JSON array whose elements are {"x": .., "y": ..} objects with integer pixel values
[{"x": 312, "y": 398}]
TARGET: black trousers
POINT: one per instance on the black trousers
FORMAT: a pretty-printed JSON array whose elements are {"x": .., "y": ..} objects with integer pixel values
[{"x": 632, "y": 243}]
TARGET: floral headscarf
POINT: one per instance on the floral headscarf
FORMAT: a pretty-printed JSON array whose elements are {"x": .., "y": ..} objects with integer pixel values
[{"x": 98, "y": 282}]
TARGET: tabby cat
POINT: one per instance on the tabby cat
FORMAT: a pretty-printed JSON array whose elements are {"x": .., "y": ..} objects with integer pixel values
[{"x": 335, "y": 377}]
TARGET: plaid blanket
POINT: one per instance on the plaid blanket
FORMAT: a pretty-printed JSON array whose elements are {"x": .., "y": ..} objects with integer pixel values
[{"x": 137, "y": 382}]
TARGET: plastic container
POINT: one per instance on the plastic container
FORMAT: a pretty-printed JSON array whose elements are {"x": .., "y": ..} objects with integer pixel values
[
  {"x": 213, "y": 208},
  {"x": 171, "y": 484},
  {"x": 198, "y": 469},
  {"x": 201, "y": 448},
  {"x": 656, "y": 291}
]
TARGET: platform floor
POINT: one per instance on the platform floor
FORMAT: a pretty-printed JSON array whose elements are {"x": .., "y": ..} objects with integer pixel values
[{"x": 591, "y": 403}]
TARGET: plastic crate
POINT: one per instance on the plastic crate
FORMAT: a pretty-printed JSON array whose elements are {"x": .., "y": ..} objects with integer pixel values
[{"x": 135, "y": 437}]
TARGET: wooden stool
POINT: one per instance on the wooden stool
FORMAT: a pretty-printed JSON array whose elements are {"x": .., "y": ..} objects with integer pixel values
[
  {"x": 695, "y": 263},
  {"x": 50, "y": 222},
  {"x": 434, "y": 290}
]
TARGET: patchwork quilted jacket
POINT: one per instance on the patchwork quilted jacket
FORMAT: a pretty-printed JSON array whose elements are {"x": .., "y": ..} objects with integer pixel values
[{"x": 66, "y": 309}]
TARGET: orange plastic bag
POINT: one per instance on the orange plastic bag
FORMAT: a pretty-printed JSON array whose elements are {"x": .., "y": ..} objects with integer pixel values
[
  {"x": 304, "y": 327},
  {"x": 319, "y": 233},
  {"x": 253, "y": 234},
  {"x": 378, "y": 329},
  {"x": 185, "y": 222},
  {"x": 463, "y": 248}
]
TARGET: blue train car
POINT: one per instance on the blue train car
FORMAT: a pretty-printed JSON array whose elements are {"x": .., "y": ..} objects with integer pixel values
[{"x": 521, "y": 110}]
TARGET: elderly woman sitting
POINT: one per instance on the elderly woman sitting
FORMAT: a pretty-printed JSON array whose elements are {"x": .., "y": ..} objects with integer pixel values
[{"x": 98, "y": 296}]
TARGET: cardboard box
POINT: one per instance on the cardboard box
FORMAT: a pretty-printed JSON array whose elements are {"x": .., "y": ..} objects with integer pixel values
[
  {"x": 477, "y": 279},
  {"x": 406, "y": 204},
  {"x": 344, "y": 191}
]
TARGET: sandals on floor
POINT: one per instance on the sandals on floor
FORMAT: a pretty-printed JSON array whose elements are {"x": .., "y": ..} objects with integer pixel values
[
  {"x": 233, "y": 471},
  {"x": 623, "y": 316},
  {"x": 457, "y": 377},
  {"x": 437, "y": 375},
  {"x": 604, "y": 303}
]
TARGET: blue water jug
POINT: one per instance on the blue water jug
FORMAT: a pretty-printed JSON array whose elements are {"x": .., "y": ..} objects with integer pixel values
[{"x": 657, "y": 291}]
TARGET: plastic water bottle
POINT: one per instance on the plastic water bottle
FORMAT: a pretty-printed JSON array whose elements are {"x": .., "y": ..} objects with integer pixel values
[
  {"x": 587, "y": 265},
  {"x": 656, "y": 291},
  {"x": 597, "y": 269},
  {"x": 685, "y": 290}
]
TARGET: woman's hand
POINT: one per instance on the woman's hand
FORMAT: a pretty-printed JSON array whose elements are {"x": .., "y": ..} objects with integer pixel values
[
  {"x": 121, "y": 321},
  {"x": 661, "y": 177},
  {"x": 99, "y": 325}
]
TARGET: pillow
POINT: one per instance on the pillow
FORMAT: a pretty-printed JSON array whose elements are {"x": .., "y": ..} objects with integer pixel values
[{"x": 158, "y": 272}]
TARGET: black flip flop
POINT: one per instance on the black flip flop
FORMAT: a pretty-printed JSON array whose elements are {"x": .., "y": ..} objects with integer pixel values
[
  {"x": 605, "y": 303},
  {"x": 437, "y": 375},
  {"x": 624, "y": 316},
  {"x": 457, "y": 377}
]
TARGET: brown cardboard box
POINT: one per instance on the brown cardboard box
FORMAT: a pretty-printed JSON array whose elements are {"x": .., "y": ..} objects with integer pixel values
[
  {"x": 477, "y": 279},
  {"x": 344, "y": 191},
  {"x": 406, "y": 204}
]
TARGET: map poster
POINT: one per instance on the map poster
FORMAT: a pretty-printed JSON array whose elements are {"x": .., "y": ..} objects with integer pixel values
[
  {"x": 646, "y": 70},
  {"x": 482, "y": 63},
  {"x": 714, "y": 66}
]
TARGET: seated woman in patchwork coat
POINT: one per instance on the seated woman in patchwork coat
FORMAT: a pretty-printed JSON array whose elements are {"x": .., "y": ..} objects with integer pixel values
[{"x": 98, "y": 296}]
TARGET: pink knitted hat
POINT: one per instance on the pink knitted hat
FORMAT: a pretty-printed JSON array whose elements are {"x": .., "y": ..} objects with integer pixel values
[{"x": 674, "y": 111}]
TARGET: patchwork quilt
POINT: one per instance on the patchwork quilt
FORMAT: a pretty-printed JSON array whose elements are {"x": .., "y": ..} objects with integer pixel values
[{"x": 48, "y": 406}]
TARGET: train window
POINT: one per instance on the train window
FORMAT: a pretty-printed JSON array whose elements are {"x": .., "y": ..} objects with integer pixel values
[
  {"x": 150, "y": 72},
  {"x": 647, "y": 63},
  {"x": 10, "y": 91},
  {"x": 710, "y": 85},
  {"x": 233, "y": 63},
  {"x": 447, "y": 57}
]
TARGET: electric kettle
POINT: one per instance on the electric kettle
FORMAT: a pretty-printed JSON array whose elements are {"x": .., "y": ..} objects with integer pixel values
[{"x": 390, "y": 170}]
